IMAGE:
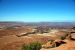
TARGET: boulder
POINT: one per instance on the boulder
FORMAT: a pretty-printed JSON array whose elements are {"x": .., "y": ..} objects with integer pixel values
[{"x": 73, "y": 36}]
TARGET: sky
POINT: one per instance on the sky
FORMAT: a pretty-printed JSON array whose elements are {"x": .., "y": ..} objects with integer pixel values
[{"x": 37, "y": 10}]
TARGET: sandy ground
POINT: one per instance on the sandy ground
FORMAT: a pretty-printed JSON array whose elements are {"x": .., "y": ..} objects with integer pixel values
[{"x": 13, "y": 42}]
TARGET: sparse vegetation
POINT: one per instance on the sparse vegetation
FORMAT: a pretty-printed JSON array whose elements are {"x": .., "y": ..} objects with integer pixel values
[
  {"x": 62, "y": 38},
  {"x": 32, "y": 46}
]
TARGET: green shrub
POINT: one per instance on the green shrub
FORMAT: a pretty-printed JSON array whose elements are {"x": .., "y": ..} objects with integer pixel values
[
  {"x": 62, "y": 38},
  {"x": 32, "y": 46}
]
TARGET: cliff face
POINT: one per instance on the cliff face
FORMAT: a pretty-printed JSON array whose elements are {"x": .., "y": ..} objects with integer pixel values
[{"x": 69, "y": 45}]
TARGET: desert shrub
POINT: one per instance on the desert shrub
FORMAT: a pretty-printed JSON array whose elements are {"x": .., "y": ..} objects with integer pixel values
[
  {"x": 62, "y": 38},
  {"x": 32, "y": 46}
]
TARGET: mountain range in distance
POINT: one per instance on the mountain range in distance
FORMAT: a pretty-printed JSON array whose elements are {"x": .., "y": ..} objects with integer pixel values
[{"x": 50, "y": 24}]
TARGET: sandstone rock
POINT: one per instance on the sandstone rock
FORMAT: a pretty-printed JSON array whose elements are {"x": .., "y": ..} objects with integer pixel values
[{"x": 73, "y": 36}]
